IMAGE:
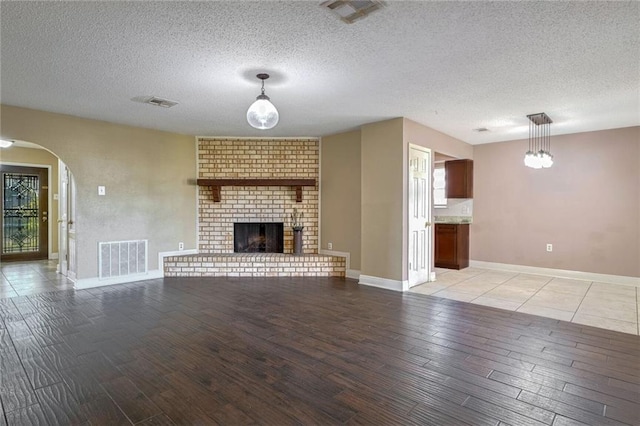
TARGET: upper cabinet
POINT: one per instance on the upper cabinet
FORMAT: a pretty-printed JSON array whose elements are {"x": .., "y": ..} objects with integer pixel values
[{"x": 459, "y": 175}]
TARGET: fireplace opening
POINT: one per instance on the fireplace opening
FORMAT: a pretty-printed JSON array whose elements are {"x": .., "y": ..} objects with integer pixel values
[{"x": 258, "y": 237}]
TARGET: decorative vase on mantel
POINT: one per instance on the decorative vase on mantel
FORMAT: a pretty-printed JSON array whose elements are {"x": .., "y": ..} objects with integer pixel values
[
  {"x": 296, "y": 224},
  {"x": 297, "y": 240}
]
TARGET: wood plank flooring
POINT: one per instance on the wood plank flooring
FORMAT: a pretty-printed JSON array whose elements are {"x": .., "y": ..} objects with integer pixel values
[{"x": 302, "y": 351}]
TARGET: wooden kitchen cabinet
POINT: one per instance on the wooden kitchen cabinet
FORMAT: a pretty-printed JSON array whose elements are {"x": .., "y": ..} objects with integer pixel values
[
  {"x": 452, "y": 245},
  {"x": 459, "y": 176}
]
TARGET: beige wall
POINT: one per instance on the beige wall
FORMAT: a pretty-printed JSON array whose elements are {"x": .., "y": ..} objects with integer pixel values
[
  {"x": 382, "y": 197},
  {"x": 340, "y": 194},
  {"x": 419, "y": 134},
  {"x": 45, "y": 158},
  {"x": 382, "y": 149},
  {"x": 149, "y": 177},
  {"x": 587, "y": 205}
]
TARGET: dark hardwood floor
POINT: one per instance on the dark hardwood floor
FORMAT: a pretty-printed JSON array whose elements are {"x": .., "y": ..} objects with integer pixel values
[{"x": 302, "y": 351}]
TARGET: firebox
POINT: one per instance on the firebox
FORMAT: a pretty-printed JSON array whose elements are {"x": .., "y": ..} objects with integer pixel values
[{"x": 258, "y": 237}]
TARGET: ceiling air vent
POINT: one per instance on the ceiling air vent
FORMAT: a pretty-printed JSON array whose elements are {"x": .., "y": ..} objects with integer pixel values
[
  {"x": 350, "y": 11},
  {"x": 164, "y": 103}
]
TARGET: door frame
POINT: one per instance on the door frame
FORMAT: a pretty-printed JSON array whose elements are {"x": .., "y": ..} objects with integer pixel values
[
  {"x": 430, "y": 244},
  {"x": 72, "y": 248},
  {"x": 63, "y": 244},
  {"x": 49, "y": 199}
]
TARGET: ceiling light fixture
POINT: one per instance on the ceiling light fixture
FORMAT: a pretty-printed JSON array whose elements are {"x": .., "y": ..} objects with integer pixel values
[
  {"x": 161, "y": 102},
  {"x": 262, "y": 114},
  {"x": 539, "y": 154},
  {"x": 5, "y": 143}
]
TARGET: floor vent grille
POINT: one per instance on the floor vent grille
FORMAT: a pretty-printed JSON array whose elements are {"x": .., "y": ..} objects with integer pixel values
[{"x": 122, "y": 258}]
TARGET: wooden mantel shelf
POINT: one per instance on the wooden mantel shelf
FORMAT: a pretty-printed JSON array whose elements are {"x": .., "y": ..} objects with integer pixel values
[{"x": 215, "y": 184}]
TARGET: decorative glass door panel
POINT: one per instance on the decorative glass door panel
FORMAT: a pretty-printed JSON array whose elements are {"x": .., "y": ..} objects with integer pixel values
[{"x": 24, "y": 213}]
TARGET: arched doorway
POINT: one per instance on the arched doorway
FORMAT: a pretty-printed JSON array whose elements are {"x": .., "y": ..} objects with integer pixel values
[{"x": 37, "y": 211}]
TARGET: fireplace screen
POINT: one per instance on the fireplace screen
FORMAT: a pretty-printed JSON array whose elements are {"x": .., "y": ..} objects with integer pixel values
[{"x": 258, "y": 237}]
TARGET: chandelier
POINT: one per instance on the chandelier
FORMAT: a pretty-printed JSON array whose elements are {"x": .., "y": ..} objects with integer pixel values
[{"x": 539, "y": 154}]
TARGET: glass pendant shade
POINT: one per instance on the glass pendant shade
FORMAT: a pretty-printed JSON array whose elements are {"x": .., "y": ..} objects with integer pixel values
[
  {"x": 539, "y": 160},
  {"x": 262, "y": 114},
  {"x": 530, "y": 159},
  {"x": 546, "y": 159}
]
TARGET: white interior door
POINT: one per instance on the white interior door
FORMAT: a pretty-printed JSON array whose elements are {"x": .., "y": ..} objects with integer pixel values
[
  {"x": 419, "y": 215},
  {"x": 63, "y": 188},
  {"x": 66, "y": 222}
]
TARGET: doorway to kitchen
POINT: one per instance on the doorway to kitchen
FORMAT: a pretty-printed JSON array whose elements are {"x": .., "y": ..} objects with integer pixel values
[{"x": 419, "y": 210}]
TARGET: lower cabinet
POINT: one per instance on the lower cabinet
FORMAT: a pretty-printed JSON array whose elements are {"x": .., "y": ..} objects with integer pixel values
[{"x": 452, "y": 245}]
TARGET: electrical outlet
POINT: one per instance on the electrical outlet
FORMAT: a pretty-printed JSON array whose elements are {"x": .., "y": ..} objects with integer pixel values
[
  {"x": 549, "y": 247},
  {"x": 330, "y": 246},
  {"x": 102, "y": 190},
  {"x": 181, "y": 246}
]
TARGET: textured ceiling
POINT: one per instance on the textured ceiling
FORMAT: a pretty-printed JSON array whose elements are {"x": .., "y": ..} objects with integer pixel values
[{"x": 453, "y": 66}]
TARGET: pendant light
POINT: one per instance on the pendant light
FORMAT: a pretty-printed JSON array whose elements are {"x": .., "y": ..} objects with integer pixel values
[
  {"x": 5, "y": 143},
  {"x": 539, "y": 154},
  {"x": 262, "y": 114}
]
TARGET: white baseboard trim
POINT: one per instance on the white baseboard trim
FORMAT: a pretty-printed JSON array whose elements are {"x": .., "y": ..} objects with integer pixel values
[
  {"x": 53, "y": 256},
  {"x": 85, "y": 283},
  {"x": 353, "y": 274},
  {"x": 560, "y": 273},
  {"x": 385, "y": 283}
]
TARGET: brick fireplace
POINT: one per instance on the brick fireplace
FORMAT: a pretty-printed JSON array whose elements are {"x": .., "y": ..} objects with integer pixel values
[{"x": 257, "y": 159}]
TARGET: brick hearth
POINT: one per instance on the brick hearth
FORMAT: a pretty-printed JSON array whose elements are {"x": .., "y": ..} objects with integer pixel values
[{"x": 254, "y": 265}]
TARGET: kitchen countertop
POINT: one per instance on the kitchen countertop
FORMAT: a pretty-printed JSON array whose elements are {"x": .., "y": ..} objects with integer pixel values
[{"x": 453, "y": 220}]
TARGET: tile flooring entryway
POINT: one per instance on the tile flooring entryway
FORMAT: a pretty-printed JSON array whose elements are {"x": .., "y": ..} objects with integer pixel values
[
  {"x": 27, "y": 278},
  {"x": 610, "y": 306}
]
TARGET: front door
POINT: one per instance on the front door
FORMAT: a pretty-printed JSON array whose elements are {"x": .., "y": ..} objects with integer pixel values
[
  {"x": 419, "y": 215},
  {"x": 24, "y": 194}
]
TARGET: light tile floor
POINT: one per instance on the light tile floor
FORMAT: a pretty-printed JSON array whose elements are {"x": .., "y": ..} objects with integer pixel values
[
  {"x": 26, "y": 278},
  {"x": 610, "y": 306}
]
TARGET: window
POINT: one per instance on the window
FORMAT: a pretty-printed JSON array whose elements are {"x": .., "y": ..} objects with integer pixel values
[{"x": 439, "y": 184}]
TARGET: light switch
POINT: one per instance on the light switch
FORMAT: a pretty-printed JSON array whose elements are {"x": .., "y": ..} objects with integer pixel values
[{"x": 102, "y": 190}]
